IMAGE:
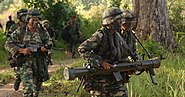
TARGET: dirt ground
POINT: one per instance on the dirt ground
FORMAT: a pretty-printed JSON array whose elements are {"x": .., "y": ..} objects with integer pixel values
[{"x": 8, "y": 90}]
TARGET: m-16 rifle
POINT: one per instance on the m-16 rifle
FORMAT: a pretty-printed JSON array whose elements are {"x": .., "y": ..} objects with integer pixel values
[
  {"x": 35, "y": 50},
  {"x": 71, "y": 73}
]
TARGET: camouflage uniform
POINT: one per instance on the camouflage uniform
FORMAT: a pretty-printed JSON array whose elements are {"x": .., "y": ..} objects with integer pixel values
[
  {"x": 33, "y": 68},
  {"x": 50, "y": 30},
  {"x": 8, "y": 25},
  {"x": 128, "y": 33},
  {"x": 101, "y": 46},
  {"x": 72, "y": 35},
  {"x": 21, "y": 15}
]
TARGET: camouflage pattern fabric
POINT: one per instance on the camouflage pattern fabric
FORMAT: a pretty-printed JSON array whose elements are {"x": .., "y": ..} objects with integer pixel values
[
  {"x": 131, "y": 42},
  {"x": 13, "y": 28},
  {"x": 97, "y": 49},
  {"x": 33, "y": 69},
  {"x": 71, "y": 34}
]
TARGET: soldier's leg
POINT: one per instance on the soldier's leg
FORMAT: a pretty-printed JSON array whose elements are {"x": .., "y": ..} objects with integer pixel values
[
  {"x": 97, "y": 88},
  {"x": 26, "y": 73},
  {"x": 121, "y": 92},
  {"x": 37, "y": 88},
  {"x": 17, "y": 76}
]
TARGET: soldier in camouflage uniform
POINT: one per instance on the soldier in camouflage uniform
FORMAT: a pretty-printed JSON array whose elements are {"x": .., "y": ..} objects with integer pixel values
[
  {"x": 72, "y": 35},
  {"x": 8, "y": 25},
  {"x": 127, "y": 33},
  {"x": 33, "y": 67},
  {"x": 21, "y": 16},
  {"x": 50, "y": 30},
  {"x": 103, "y": 49}
]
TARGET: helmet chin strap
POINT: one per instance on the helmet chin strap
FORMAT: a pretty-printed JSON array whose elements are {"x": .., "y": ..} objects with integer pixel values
[{"x": 115, "y": 26}]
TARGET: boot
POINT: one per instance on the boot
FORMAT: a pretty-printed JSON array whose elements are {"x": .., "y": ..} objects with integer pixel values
[{"x": 16, "y": 84}]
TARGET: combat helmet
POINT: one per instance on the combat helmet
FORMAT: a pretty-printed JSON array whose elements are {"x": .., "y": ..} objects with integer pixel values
[
  {"x": 128, "y": 16},
  {"x": 111, "y": 14},
  {"x": 34, "y": 13},
  {"x": 21, "y": 12}
]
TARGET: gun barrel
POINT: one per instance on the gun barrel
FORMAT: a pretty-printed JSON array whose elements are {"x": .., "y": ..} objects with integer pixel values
[{"x": 71, "y": 73}]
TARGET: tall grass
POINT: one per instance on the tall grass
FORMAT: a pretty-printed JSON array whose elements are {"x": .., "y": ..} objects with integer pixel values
[
  {"x": 3, "y": 52},
  {"x": 170, "y": 78}
]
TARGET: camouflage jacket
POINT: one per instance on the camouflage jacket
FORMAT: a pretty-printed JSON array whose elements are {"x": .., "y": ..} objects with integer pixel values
[
  {"x": 22, "y": 35},
  {"x": 98, "y": 48},
  {"x": 131, "y": 42},
  {"x": 13, "y": 28},
  {"x": 8, "y": 25}
]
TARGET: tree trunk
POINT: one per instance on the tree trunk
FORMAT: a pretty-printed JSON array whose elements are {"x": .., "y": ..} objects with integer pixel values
[{"x": 152, "y": 21}]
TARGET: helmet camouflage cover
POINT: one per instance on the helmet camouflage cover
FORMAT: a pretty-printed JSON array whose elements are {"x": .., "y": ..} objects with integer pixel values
[
  {"x": 21, "y": 12},
  {"x": 111, "y": 14},
  {"x": 128, "y": 16},
  {"x": 34, "y": 13}
]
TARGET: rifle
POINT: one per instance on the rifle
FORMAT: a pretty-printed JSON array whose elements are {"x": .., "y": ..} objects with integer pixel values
[
  {"x": 35, "y": 50},
  {"x": 71, "y": 73},
  {"x": 151, "y": 70}
]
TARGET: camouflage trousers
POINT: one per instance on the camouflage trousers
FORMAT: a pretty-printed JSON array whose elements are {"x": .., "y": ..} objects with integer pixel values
[
  {"x": 105, "y": 86},
  {"x": 17, "y": 73},
  {"x": 31, "y": 85}
]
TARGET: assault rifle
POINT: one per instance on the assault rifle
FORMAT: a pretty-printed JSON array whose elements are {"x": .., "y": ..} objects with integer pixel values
[
  {"x": 71, "y": 73},
  {"x": 35, "y": 50}
]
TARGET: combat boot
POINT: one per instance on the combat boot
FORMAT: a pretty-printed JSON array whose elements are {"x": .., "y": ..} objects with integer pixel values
[{"x": 16, "y": 84}]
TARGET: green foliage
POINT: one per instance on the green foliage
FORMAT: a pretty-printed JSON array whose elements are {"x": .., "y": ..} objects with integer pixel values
[
  {"x": 176, "y": 14},
  {"x": 60, "y": 87},
  {"x": 89, "y": 27},
  {"x": 58, "y": 14},
  {"x": 6, "y": 76},
  {"x": 154, "y": 48},
  {"x": 3, "y": 52},
  {"x": 170, "y": 78},
  {"x": 114, "y": 3}
]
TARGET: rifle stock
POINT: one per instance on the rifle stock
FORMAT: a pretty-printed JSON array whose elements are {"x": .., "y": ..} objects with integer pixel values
[{"x": 71, "y": 73}]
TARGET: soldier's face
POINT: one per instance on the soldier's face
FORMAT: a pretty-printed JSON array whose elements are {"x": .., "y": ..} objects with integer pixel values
[
  {"x": 116, "y": 25},
  {"x": 23, "y": 18},
  {"x": 126, "y": 27},
  {"x": 34, "y": 22}
]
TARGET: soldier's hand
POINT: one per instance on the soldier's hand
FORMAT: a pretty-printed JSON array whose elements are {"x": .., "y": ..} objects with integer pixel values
[
  {"x": 106, "y": 65},
  {"x": 43, "y": 49},
  {"x": 25, "y": 51}
]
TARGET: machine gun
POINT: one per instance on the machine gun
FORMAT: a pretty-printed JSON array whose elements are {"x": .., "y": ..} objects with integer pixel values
[{"x": 71, "y": 73}]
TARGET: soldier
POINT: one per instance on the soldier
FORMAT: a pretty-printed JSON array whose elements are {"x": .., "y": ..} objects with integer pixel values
[
  {"x": 50, "y": 30},
  {"x": 102, "y": 50},
  {"x": 126, "y": 31},
  {"x": 21, "y": 16},
  {"x": 8, "y": 25},
  {"x": 73, "y": 35},
  {"x": 33, "y": 64}
]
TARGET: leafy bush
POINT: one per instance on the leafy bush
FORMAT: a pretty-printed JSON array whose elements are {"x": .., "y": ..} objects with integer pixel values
[
  {"x": 153, "y": 48},
  {"x": 176, "y": 14},
  {"x": 3, "y": 52}
]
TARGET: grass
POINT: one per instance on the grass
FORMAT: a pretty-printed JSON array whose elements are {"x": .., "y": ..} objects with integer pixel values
[{"x": 170, "y": 77}]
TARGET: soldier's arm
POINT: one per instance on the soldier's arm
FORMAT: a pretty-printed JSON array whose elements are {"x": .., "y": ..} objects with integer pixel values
[
  {"x": 86, "y": 49},
  {"x": 47, "y": 40},
  {"x": 10, "y": 43}
]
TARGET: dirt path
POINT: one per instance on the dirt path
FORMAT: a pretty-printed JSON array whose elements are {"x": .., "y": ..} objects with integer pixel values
[{"x": 8, "y": 91}]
